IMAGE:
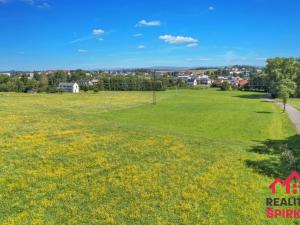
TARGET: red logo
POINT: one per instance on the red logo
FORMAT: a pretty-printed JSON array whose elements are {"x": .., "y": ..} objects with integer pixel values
[{"x": 293, "y": 188}]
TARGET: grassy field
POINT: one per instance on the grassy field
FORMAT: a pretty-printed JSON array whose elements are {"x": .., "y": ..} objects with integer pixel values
[
  {"x": 114, "y": 158},
  {"x": 295, "y": 102}
]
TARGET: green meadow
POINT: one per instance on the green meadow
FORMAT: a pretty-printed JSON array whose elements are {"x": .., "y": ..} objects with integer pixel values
[
  {"x": 196, "y": 157},
  {"x": 295, "y": 102}
]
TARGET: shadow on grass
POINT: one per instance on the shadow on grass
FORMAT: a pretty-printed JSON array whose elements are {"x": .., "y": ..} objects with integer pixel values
[
  {"x": 264, "y": 112},
  {"x": 282, "y": 156},
  {"x": 252, "y": 96}
]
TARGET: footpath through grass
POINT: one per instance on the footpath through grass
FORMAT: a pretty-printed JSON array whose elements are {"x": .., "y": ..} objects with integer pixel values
[{"x": 113, "y": 158}]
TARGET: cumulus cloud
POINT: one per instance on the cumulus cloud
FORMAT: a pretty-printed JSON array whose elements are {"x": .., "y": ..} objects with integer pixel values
[
  {"x": 170, "y": 39},
  {"x": 144, "y": 23},
  {"x": 141, "y": 47},
  {"x": 98, "y": 32}
]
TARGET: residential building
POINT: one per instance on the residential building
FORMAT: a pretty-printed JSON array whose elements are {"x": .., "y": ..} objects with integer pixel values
[
  {"x": 192, "y": 82},
  {"x": 69, "y": 87}
]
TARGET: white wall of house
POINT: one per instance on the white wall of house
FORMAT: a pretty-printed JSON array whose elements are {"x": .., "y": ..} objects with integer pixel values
[
  {"x": 193, "y": 82},
  {"x": 76, "y": 88},
  {"x": 70, "y": 87}
]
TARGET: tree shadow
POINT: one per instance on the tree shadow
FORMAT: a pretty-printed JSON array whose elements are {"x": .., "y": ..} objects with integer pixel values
[
  {"x": 251, "y": 96},
  {"x": 264, "y": 112},
  {"x": 282, "y": 156}
]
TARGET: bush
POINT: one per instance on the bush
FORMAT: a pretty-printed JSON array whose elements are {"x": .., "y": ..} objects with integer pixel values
[
  {"x": 85, "y": 88},
  {"x": 96, "y": 89},
  {"x": 226, "y": 86},
  {"x": 52, "y": 89},
  {"x": 288, "y": 158},
  {"x": 60, "y": 90}
]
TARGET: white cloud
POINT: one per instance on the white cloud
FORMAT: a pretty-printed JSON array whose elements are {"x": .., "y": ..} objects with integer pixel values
[
  {"x": 192, "y": 45},
  {"x": 137, "y": 35},
  {"x": 81, "y": 39},
  {"x": 95, "y": 35},
  {"x": 170, "y": 39},
  {"x": 98, "y": 32},
  {"x": 141, "y": 47},
  {"x": 42, "y": 4},
  {"x": 82, "y": 50},
  {"x": 144, "y": 23},
  {"x": 211, "y": 8}
]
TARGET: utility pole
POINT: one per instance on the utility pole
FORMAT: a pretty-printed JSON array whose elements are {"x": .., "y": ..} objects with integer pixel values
[
  {"x": 109, "y": 84},
  {"x": 153, "y": 88}
]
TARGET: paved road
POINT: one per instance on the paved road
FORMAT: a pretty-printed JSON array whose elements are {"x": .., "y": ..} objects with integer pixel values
[{"x": 293, "y": 113}]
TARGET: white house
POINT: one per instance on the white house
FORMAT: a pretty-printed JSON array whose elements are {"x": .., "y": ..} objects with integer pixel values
[
  {"x": 184, "y": 77},
  {"x": 192, "y": 82},
  {"x": 205, "y": 81},
  {"x": 69, "y": 87}
]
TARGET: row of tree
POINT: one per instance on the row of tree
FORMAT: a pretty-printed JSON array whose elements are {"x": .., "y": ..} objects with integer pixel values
[{"x": 50, "y": 82}]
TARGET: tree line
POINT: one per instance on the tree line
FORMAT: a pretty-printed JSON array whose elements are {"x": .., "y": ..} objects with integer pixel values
[{"x": 41, "y": 82}]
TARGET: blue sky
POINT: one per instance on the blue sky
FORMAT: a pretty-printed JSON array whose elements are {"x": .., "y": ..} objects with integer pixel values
[{"x": 94, "y": 34}]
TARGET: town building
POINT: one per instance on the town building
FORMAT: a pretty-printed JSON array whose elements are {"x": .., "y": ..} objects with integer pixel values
[{"x": 69, "y": 87}]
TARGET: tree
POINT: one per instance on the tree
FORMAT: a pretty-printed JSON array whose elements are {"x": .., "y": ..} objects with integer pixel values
[
  {"x": 226, "y": 86},
  {"x": 96, "y": 89},
  {"x": 43, "y": 82},
  {"x": 286, "y": 89},
  {"x": 279, "y": 69},
  {"x": 60, "y": 90},
  {"x": 85, "y": 88}
]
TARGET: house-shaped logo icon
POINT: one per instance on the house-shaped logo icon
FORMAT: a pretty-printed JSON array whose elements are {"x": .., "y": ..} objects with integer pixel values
[{"x": 290, "y": 188}]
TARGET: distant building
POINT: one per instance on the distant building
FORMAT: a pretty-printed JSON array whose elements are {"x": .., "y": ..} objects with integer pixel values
[
  {"x": 95, "y": 81},
  {"x": 243, "y": 83},
  {"x": 205, "y": 81},
  {"x": 30, "y": 76},
  {"x": 192, "y": 82},
  {"x": 84, "y": 82},
  {"x": 6, "y": 74},
  {"x": 184, "y": 77},
  {"x": 220, "y": 80},
  {"x": 69, "y": 87},
  {"x": 202, "y": 79}
]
